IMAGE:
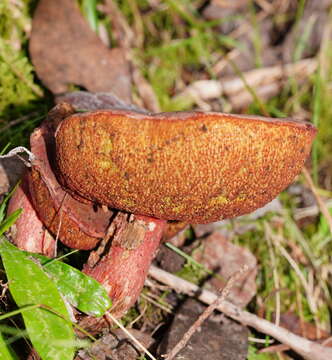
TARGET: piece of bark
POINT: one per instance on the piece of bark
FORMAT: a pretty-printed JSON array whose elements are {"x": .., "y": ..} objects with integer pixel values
[{"x": 64, "y": 50}]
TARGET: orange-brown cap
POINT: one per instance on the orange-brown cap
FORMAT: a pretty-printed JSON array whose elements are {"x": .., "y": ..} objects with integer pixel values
[{"x": 191, "y": 166}]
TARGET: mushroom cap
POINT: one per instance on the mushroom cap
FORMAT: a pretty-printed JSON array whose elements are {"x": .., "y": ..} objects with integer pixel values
[{"x": 190, "y": 166}]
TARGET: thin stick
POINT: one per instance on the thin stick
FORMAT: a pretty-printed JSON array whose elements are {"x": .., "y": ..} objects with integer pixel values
[
  {"x": 304, "y": 347},
  {"x": 320, "y": 202},
  {"x": 111, "y": 318},
  {"x": 205, "y": 314},
  {"x": 17, "y": 121}
]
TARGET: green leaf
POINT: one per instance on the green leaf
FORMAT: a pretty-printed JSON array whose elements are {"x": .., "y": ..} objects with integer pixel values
[
  {"x": 9, "y": 221},
  {"x": 6, "y": 352},
  {"x": 80, "y": 290},
  {"x": 89, "y": 8},
  {"x": 50, "y": 330}
]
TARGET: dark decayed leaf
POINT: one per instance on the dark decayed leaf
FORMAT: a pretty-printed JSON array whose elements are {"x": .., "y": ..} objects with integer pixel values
[
  {"x": 226, "y": 340},
  {"x": 220, "y": 255},
  {"x": 80, "y": 290},
  {"x": 50, "y": 331}
]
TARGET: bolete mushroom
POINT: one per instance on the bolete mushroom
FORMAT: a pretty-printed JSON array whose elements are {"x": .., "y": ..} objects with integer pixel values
[{"x": 190, "y": 166}]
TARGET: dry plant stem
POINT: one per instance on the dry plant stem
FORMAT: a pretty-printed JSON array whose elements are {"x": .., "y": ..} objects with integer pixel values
[
  {"x": 275, "y": 274},
  {"x": 320, "y": 202},
  {"x": 310, "y": 210},
  {"x": 266, "y": 82},
  {"x": 17, "y": 121},
  {"x": 111, "y": 318},
  {"x": 306, "y": 348},
  {"x": 205, "y": 314}
]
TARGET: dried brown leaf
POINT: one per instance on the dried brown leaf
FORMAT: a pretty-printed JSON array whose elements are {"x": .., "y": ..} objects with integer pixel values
[
  {"x": 65, "y": 51},
  {"x": 220, "y": 255}
]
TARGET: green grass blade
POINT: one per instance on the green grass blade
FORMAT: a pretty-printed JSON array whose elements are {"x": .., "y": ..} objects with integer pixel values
[
  {"x": 2, "y": 152},
  {"x": 5, "y": 201},
  {"x": 51, "y": 334},
  {"x": 9, "y": 221},
  {"x": 80, "y": 290},
  {"x": 89, "y": 8},
  {"x": 6, "y": 352},
  {"x": 315, "y": 119}
]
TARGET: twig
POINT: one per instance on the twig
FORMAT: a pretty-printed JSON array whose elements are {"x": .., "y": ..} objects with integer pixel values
[
  {"x": 304, "y": 347},
  {"x": 111, "y": 318},
  {"x": 304, "y": 282},
  {"x": 310, "y": 210},
  {"x": 17, "y": 121},
  {"x": 320, "y": 202},
  {"x": 265, "y": 82},
  {"x": 206, "y": 313},
  {"x": 156, "y": 303}
]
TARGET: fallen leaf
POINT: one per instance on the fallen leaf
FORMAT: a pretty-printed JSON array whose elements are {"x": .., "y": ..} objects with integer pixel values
[
  {"x": 11, "y": 170},
  {"x": 293, "y": 323},
  {"x": 220, "y": 255},
  {"x": 64, "y": 50}
]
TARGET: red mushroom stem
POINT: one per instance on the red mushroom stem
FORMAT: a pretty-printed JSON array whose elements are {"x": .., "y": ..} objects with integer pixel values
[
  {"x": 124, "y": 266},
  {"x": 29, "y": 233}
]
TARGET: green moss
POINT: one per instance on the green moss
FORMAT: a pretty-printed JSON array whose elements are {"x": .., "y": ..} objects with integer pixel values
[
  {"x": 17, "y": 86},
  {"x": 20, "y": 96}
]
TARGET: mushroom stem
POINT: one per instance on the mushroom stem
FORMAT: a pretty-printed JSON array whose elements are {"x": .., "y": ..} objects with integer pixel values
[
  {"x": 29, "y": 233},
  {"x": 124, "y": 264}
]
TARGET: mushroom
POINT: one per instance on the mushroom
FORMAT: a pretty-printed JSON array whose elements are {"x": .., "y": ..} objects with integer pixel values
[{"x": 189, "y": 166}]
